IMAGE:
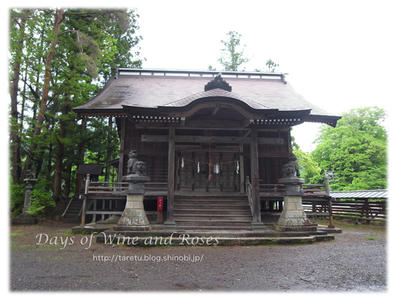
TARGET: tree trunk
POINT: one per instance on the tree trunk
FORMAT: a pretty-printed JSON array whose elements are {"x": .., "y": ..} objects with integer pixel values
[
  {"x": 15, "y": 150},
  {"x": 109, "y": 149},
  {"x": 67, "y": 187},
  {"x": 46, "y": 87},
  {"x": 58, "y": 165},
  {"x": 81, "y": 156}
]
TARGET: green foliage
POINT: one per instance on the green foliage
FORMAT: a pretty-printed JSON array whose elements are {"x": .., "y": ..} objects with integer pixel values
[
  {"x": 90, "y": 43},
  {"x": 41, "y": 199},
  {"x": 17, "y": 193},
  {"x": 271, "y": 66},
  {"x": 232, "y": 56},
  {"x": 309, "y": 169},
  {"x": 355, "y": 150}
]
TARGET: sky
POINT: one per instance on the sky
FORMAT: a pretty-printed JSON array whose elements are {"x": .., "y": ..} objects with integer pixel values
[{"x": 339, "y": 55}]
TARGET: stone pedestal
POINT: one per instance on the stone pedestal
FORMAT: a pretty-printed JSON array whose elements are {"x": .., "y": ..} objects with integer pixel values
[
  {"x": 293, "y": 217},
  {"x": 134, "y": 217}
]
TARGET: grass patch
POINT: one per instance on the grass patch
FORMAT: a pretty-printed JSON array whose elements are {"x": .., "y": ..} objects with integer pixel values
[
  {"x": 16, "y": 234},
  {"x": 18, "y": 246},
  {"x": 67, "y": 232}
]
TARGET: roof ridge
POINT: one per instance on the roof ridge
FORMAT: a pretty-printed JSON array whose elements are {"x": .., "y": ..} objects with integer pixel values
[{"x": 188, "y": 73}]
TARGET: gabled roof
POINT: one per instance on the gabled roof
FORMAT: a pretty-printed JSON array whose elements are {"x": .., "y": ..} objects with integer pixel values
[{"x": 162, "y": 88}]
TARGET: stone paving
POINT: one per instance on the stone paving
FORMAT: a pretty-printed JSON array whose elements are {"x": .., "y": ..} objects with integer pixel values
[{"x": 354, "y": 261}]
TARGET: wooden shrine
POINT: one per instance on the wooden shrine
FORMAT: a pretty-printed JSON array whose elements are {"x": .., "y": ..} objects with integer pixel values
[{"x": 209, "y": 140}]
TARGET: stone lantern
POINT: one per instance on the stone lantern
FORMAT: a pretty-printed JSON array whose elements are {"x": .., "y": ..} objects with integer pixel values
[
  {"x": 293, "y": 217},
  {"x": 134, "y": 216},
  {"x": 26, "y": 218}
]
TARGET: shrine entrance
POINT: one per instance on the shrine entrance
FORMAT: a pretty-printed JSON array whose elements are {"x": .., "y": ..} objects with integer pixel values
[{"x": 209, "y": 168}]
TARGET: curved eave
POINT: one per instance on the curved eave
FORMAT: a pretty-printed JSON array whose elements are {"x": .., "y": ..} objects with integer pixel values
[
  {"x": 215, "y": 99},
  {"x": 117, "y": 112},
  {"x": 330, "y": 120}
]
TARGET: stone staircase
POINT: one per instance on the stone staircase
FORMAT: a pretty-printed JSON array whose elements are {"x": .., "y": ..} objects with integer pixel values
[
  {"x": 212, "y": 212},
  {"x": 72, "y": 213}
]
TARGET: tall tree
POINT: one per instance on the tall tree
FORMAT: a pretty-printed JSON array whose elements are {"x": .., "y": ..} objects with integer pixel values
[
  {"x": 355, "y": 150},
  {"x": 232, "y": 53},
  {"x": 17, "y": 36},
  {"x": 271, "y": 66},
  {"x": 308, "y": 167},
  {"x": 46, "y": 87},
  {"x": 67, "y": 56}
]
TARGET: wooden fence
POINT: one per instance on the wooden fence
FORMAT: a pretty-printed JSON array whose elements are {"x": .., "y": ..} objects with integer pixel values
[
  {"x": 106, "y": 198},
  {"x": 358, "y": 209}
]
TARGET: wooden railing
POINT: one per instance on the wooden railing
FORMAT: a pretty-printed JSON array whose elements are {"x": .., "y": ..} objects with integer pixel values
[
  {"x": 250, "y": 195},
  {"x": 156, "y": 188},
  {"x": 106, "y": 198},
  {"x": 315, "y": 190},
  {"x": 362, "y": 209},
  {"x": 98, "y": 187},
  {"x": 272, "y": 189}
]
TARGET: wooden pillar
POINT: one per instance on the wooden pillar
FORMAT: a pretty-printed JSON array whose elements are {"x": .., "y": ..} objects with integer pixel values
[
  {"x": 241, "y": 167},
  {"x": 83, "y": 216},
  {"x": 255, "y": 175},
  {"x": 171, "y": 177},
  {"x": 121, "y": 150}
]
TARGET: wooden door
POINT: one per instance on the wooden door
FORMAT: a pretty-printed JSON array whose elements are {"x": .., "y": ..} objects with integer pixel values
[{"x": 208, "y": 170}]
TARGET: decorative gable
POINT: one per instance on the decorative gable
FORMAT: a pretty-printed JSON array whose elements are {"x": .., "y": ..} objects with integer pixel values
[{"x": 218, "y": 83}]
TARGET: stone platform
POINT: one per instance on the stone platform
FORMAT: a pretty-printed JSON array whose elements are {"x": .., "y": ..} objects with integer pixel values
[{"x": 160, "y": 236}]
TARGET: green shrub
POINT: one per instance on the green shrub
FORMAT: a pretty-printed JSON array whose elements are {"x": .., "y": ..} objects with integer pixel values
[
  {"x": 17, "y": 193},
  {"x": 41, "y": 199}
]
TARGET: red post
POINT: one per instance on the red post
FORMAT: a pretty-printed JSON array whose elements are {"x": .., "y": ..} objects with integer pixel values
[{"x": 160, "y": 206}]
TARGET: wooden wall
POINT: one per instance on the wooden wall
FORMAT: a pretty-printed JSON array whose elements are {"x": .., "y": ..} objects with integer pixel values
[{"x": 155, "y": 154}]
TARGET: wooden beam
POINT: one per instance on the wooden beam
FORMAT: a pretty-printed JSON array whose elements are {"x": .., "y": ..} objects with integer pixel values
[
  {"x": 171, "y": 177},
  {"x": 241, "y": 167},
  {"x": 121, "y": 150},
  {"x": 162, "y": 126},
  {"x": 211, "y": 139},
  {"x": 255, "y": 175}
]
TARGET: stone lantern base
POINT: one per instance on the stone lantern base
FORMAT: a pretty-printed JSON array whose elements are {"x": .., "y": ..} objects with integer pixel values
[
  {"x": 293, "y": 217},
  {"x": 134, "y": 216},
  {"x": 24, "y": 219}
]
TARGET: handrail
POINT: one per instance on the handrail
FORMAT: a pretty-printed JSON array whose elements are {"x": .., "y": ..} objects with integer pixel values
[
  {"x": 66, "y": 208},
  {"x": 250, "y": 194},
  {"x": 120, "y": 187}
]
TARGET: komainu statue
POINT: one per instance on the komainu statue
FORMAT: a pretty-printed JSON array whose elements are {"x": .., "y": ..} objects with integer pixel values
[
  {"x": 131, "y": 161},
  {"x": 291, "y": 168},
  {"x": 135, "y": 166}
]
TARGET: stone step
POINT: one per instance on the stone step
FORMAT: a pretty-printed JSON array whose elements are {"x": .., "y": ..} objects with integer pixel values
[
  {"x": 212, "y": 212},
  {"x": 216, "y": 241},
  {"x": 78, "y": 208},
  {"x": 222, "y": 199},
  {"x": 242, "y": 231},
  {"x": 205, "y": 217},
  {"x": 207, "y": 222},
  {"x": 214, "y": 205}
]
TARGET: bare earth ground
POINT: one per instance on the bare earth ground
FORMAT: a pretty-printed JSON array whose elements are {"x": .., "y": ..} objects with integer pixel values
[{"x": 354, "y": 261}]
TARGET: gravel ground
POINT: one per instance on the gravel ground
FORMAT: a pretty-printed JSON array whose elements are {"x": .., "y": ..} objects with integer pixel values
[{"x": 354, "y": 261}]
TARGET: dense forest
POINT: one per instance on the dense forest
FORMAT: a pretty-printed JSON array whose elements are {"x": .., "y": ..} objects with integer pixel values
[{"x": 59, "y": 59}]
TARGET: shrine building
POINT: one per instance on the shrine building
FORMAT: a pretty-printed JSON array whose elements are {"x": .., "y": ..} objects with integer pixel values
[{"x": 208, "y": 139}]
